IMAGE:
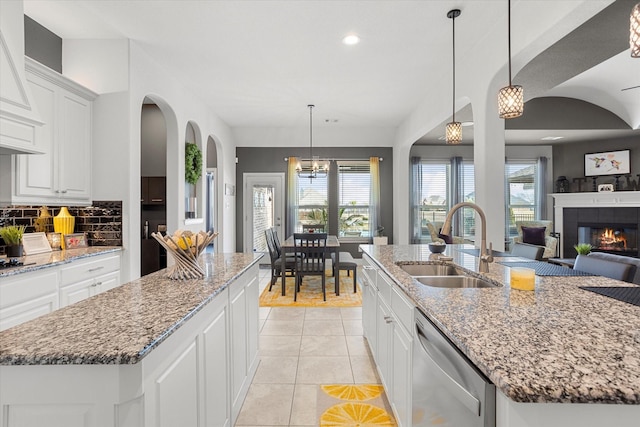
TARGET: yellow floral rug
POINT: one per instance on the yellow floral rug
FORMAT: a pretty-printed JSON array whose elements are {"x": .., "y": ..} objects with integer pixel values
[
  {"x": 310, "y": 294},
  {"x": 353, "y": 405}
]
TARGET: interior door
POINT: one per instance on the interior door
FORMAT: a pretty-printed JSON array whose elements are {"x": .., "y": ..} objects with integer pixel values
[{"x": 263, "y": 208}]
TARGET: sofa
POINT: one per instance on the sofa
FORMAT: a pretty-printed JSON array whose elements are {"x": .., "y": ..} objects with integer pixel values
[{"x": 623, "y": 259}]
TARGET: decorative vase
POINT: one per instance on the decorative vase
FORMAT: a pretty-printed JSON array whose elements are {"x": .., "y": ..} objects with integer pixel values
[
  {"x": 63, "y": 223},
  {"x": 563, "y": 185},
  {"x": 14, "y": 251},
  {"x": 43, "y": 219}
]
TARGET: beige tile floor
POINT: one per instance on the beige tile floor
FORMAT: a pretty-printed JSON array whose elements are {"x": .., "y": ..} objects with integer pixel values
[{"x": 301, "y": 348}]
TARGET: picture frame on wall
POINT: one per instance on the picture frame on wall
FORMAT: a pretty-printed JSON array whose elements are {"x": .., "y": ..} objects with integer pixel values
[{"x": 607, "y": 163}]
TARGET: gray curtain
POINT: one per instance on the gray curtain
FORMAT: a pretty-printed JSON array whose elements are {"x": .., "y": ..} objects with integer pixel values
[
  {"x": 455, "y": 192},
  {"x": 541, "y": 187},
  {"x": 416, "y": 192}
]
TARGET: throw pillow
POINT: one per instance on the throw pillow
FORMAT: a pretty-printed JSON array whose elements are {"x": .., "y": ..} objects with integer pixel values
[
  {"x": 533, "y": 235},
  {"x": 447, "y": 239}
]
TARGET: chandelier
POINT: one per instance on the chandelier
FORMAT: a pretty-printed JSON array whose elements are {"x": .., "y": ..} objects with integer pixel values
[
  {"x": 314, "y": 170},
  {"x": 634, "y": 31}
]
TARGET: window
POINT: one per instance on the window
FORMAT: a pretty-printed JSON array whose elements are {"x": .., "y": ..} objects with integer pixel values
[
  {"x": 354, "y": 188},
  {"x": 437, "y": 186},
  {"x": 311, "y": 201},
  {"x": 520, "y": 197}
]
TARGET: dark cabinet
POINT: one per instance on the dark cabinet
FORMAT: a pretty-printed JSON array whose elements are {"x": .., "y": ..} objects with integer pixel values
[{"x": 153, "y": 190}]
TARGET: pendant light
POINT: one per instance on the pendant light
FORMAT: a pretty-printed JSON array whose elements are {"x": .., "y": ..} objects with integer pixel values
[
  {"x": 510, "y": 98},
  {"x": 453, "y": 131},
  {"x": 314, "y": 171},
  {"x": 634, "y": 31}
]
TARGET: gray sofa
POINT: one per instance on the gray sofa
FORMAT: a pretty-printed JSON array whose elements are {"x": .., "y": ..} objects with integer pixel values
[{"x": 623, "y": 259}]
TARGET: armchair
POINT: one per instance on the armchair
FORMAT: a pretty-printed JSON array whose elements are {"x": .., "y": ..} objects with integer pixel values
[{"x": 550, "y": 242}]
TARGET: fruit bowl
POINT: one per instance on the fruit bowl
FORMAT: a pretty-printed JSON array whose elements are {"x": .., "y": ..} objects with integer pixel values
[
  {"x": 437, "y": 247},
  {"x": 185, "y": 247}
]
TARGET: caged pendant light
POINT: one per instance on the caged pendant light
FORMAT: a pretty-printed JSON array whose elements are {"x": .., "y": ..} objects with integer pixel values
[
  {"x": 634, "y": 31},
  {"x": 314, "y": 170},
  {"x": 510, "y": 98},
  {"x": 453, "y": 131}
]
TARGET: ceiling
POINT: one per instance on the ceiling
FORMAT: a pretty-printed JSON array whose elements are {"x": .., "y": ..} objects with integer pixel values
[{"x": 259, "y": 63}]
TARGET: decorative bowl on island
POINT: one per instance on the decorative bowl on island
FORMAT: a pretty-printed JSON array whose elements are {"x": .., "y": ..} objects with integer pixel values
[
  {"x": 437, "y": 247},
  {"x": 185, "y": 247}
]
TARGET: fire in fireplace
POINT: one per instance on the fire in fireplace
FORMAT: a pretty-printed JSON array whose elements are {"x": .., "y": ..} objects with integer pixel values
[{"x": 620, "y": 239}]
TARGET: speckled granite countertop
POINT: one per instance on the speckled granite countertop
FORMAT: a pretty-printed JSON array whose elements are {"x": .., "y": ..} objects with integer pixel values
[
  {"x": 556, "y": 344},
  {"x": 53, "y": 258},
  {"x": 122, "y": 325}
]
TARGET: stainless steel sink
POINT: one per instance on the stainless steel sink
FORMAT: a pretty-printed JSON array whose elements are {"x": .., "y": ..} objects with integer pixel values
[
  {"x": 454, "y": 282},
  {"x": 429, "y": 269}
]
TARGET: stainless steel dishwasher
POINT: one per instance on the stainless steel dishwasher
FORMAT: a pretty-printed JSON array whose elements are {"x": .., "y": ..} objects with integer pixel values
[{"x": 448, "y": 391}]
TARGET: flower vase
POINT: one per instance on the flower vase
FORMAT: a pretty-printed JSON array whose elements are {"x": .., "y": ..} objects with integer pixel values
[{"x": 63, "y": 223}]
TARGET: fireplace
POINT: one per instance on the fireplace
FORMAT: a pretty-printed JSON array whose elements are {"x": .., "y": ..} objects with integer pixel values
[
  {"x": 619, "y": 239},
  {"x": 612, "y": 213}
]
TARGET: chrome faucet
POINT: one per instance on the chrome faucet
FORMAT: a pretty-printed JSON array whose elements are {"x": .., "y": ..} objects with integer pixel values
[{"x": 486, "y": 256}]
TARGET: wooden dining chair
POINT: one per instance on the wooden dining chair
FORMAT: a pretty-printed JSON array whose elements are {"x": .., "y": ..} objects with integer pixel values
[
  {"x": 311, "y": 253},
  {"x": 277, "y": 269}
]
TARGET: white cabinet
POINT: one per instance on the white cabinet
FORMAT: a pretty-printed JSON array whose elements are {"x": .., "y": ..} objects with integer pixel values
[
  {"x": 216, "y": 369},
  {"x": 243, "y": 308},
  {"x": 88, "y": 277},
  {"x": 392, "y": 338},
  {"x": 369, "y": 300},
  {"x": 26, "y": 296},
  {"x": 62, "y": 175}
]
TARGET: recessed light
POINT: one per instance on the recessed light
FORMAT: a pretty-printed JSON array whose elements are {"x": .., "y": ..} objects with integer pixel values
[
  {"x": 467, "y": 124},
  {"x": 331, "y": 120},
  {"x": 552, "y": 138},
  {"x": 351, "y": 39}
]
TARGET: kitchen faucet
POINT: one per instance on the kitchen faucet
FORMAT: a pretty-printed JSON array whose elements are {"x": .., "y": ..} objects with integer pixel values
[{"x": 486, "y": 256}]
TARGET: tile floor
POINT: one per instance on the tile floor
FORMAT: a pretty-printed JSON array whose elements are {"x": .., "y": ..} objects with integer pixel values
[{"x": 301, "y": 348}]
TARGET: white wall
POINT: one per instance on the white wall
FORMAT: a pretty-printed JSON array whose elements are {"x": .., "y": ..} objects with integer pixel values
[{"x": 323, "y": 136}]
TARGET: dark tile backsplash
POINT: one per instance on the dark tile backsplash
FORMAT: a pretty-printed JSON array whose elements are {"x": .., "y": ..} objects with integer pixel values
[{"x": 102, "y": 221}]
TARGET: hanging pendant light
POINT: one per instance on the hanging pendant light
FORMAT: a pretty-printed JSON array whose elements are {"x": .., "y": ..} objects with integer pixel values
[
  {"x": 314, "y": 170},
  {"x": 634, "y": 31},
  {"x": 453, "y": 131},
  {"x": 510, "y": 98}
]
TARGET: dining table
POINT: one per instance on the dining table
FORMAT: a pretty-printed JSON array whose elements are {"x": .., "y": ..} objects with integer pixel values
[{"x": 333, "y": 245}]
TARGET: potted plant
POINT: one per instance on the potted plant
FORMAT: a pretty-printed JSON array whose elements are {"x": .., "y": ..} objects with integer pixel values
[
  {"x": 12, "y": 236},
  {"x": 583, "y": 248}
]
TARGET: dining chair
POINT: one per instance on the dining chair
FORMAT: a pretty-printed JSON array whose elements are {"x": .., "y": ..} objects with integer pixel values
[
  {"x": 277, "y": 269},
  {"x": 526, "y": 250},
  {"x": 311, "y": 252},
  {"x": 602, "y": 267}
]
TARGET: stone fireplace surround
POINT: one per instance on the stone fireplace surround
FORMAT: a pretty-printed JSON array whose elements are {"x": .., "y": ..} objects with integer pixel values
[{"x": 595, "y": 208}]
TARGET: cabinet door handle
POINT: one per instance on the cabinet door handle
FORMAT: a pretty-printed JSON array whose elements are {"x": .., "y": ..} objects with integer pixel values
[
  {"x": 91, "y": 270},
  {"x": 57, "y": 191},
  {"x": 367, "y": 267},
  {"x": 99, "y": 283},
  {"x": 157, "y": 200},
  {"x": 388, "y": 319},
  {"x": 93, "y": 285},
  {"x": 63, "y": 191}
]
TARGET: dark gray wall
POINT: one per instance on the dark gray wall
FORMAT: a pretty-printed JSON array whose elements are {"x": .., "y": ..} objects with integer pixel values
[
  {"x": 42, "y": 45},
  {"x": 568, "y": 159},
  {"x": 261, "y": 159}
]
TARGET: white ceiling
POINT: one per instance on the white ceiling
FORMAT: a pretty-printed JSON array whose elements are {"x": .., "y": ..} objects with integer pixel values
[{"x": 259, "y": 63}]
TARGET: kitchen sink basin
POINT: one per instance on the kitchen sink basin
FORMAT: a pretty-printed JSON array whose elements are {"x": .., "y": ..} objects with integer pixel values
[
  {"x": 454, "y": 282},
  {"x": 429, "y": 269}
]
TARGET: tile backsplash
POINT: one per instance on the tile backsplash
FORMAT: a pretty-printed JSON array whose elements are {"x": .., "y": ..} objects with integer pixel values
[{"x": 102, "y": 221}]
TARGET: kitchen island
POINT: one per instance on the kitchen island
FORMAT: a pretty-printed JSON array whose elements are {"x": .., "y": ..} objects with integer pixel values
[
  {"x": 150, "y": 352},
  {"x": 558, "y": 356}
]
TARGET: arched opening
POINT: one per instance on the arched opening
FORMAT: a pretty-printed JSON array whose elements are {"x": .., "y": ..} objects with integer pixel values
[
  {"x": 211, "y": 188},
  {"x": 153, "y": 187},
  {"x": 193, "y": 184}
]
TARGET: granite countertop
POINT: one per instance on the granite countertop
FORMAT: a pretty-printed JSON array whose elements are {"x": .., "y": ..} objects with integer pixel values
[
  {"x": 558, "y": 343},
  {"x": 124, "y": 324},
  {"x": 53, "y": 258}
]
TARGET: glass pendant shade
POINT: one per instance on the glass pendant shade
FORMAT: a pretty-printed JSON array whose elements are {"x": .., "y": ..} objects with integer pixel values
[
  {"x": 453, "y": 133},
  {"x": 511, "y": 102},
  {"x": 634, "y": 31}
]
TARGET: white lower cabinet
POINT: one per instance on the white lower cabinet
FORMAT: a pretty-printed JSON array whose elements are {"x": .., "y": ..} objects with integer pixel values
[
  {"x": 369, "y": 301},
  {"x": 390, "y": 340},
  {"x": 26, "y": 296},
  {"x": 217, "y": 400},
  {"x": 88, "y": 277}
]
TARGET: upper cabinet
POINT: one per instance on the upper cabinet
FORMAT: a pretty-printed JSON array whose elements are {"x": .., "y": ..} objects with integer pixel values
[
  {"x": 19, "y": 118},
  {"x": 62, "y": 174}
]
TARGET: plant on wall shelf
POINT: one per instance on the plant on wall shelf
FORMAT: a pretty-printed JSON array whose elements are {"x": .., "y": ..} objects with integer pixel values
[
  {"x": 583, "y": 248},
  {"x": 192, "y": 163}
]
